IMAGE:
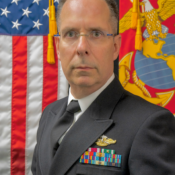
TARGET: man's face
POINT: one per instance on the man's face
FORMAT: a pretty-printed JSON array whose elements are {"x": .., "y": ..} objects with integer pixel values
[{"x": 84, "y": 63}]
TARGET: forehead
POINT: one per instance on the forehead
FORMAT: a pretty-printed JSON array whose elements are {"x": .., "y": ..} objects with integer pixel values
[{"x": 85, "y": 13}]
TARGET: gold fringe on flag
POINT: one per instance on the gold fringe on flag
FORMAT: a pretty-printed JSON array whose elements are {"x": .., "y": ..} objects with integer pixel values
[
  {"x": 135, "y": 14},
  {"x": 52, "y": 32}
]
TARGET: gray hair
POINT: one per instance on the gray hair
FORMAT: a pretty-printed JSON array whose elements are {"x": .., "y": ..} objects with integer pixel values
[{"x": 113, "y": 7}]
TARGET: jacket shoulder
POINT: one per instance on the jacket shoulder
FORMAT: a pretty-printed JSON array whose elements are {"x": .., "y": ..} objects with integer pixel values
[
  {"x": 138, "y": 104},
  {"x": 132, "y": 110},
  {"x": 54, "y": 106}
]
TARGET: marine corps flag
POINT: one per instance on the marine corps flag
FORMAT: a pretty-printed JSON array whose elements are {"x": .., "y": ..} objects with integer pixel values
[{"x": 147, "y": 56}]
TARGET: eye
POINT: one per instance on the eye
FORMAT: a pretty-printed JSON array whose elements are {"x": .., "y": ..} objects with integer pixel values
[
  {"x": 70, "y": 34},
  {"x": 97, "y": 34}
]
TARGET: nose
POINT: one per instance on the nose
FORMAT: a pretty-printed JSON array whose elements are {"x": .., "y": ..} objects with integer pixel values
[{"x": 82, "y": 46}]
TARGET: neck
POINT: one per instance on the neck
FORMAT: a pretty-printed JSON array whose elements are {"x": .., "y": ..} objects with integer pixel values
[{"x": 81, "y": 92}]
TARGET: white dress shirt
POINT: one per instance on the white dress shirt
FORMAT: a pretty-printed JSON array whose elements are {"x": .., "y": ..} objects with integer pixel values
[{"x": 85, "y": 102}]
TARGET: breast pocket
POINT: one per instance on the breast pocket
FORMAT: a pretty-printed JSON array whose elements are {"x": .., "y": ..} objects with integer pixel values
[{"x": 84, "y": 169}]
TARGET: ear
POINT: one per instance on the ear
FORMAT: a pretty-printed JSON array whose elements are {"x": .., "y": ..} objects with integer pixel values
[
  {"x": 57, "y": 42},
  {"x": 117, "y": 45}
]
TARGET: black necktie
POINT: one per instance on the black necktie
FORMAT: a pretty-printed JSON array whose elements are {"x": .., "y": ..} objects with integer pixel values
[
  {"x": 65, "y": 121},
  {"x": 73, "y": 107}
]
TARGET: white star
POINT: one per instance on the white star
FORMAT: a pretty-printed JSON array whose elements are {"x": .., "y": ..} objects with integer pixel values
[
  {"x": 37, "y": 24},
  {"x": 37, "y": 1},
  {"x": 16, "y": 1},
  {"x": 46, "y": 12},
  {"x": 26, "y": 12},
  {"x": 16, "y": 24},
  {"x": 5, "y": 12},
  {"x": 57, "y": 1}
]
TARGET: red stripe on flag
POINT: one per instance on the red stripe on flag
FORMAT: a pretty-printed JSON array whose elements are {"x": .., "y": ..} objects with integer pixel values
[
  {"x": 19, "y": 88},
  {"x": 50, "y": 77}
]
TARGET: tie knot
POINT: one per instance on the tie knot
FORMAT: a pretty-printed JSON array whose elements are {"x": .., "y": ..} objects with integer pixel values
[{"x": 73, "y": 107}]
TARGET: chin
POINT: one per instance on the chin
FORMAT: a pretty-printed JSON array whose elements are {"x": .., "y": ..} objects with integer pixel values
[{"x": 84, "y": 82}]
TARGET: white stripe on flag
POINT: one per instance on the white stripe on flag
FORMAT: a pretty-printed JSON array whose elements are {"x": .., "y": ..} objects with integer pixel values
[
  {"x": 34, "y": 94},
  {"x": 62, "y": 83},
  {"x": 5, "y": 103}
]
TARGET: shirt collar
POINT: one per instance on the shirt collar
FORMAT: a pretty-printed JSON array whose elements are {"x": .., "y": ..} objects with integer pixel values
[{"x": 86, "y": 101}]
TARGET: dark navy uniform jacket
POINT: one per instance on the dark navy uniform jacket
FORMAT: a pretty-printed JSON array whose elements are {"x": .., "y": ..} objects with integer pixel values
[{"x": 145, "y": 135}]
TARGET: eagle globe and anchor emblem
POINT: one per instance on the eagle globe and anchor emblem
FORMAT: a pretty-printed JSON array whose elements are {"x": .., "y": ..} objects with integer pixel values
[{"x": 155, "y": 64}]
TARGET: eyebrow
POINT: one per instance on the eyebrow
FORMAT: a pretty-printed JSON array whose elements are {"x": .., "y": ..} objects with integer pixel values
[
  {"x": 96, "y": 28},
  {"x": 75, "y": 29},
  {"x": 68, "y": 29}
]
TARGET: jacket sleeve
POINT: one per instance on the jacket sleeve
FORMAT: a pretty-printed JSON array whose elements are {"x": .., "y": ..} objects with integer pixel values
[
  {"x": 153, "y": 149},
  {"x": 35, "y": 164}
]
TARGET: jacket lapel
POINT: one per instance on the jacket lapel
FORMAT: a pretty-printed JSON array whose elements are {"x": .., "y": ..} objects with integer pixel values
[
  {"x": 90, "y": 126},
  {"x": 45, "y": 146},
  {"x": 58, "y": 130}
]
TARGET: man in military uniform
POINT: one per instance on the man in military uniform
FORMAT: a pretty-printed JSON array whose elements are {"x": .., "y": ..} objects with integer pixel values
[{"x": 99, "y": 128}]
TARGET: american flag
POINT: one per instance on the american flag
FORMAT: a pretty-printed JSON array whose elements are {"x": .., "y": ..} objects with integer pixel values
[{"x": 27, "y": 82}]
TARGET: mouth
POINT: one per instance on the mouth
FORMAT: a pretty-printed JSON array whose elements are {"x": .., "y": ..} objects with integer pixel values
[{"x": 84, "y": 68}]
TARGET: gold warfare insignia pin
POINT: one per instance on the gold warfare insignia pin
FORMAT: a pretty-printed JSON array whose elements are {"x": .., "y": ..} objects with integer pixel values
[{"x": 105, "y": 141}]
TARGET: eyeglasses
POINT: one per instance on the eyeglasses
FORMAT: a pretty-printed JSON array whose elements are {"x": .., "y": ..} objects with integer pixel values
[{"x": 94, "y": 37}]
